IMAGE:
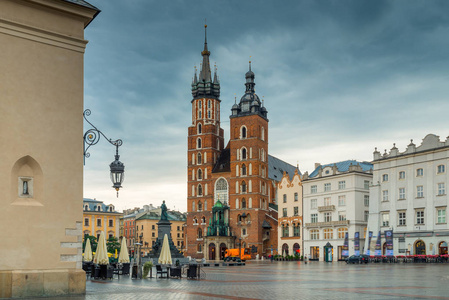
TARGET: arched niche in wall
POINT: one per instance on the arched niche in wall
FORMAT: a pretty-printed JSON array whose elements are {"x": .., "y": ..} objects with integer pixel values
[{"x": 26, "y": 182}]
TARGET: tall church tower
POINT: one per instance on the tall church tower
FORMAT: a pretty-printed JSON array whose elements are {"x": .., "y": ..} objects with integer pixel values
[
  {"x": 205, "y": 141},
  {"x": 249, "y": 183}
]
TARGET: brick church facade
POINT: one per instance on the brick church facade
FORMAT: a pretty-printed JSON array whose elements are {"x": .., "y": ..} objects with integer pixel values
[{"x": 237, "y": 182}]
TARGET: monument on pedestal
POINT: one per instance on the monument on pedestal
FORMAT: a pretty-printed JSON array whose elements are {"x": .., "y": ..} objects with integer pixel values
[{"x": 164, "y": 228}]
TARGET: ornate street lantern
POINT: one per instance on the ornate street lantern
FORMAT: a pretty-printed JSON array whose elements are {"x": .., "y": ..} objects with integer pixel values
[{"x": 91, "y": 137}]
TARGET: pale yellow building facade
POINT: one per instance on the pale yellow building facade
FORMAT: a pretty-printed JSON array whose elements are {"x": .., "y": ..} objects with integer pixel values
[
  {"x": 290, "y": 215},
  {"x": 98, "y": 217},
  {"x": 41, "y": 126}
]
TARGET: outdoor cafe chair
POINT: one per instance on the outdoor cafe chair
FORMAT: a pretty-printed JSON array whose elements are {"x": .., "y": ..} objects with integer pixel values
[{"x": 161, "y": 272}]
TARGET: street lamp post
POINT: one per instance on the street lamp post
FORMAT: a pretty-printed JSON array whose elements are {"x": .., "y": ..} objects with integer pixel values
[
  {"x": 92, "y": 137},
  {"x": 240, "y": 247}
]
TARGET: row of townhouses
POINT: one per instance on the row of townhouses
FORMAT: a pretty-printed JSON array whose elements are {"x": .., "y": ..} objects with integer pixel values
[{"x": 402, "y": 192}]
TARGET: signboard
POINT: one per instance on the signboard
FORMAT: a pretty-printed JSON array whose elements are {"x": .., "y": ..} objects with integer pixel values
[
  {"x": 377, "y": 250},
  {"x": 344, "y": 249},
  {"x": 389, "y": 240},
  {"x": 370, "y": 236},
  {"x": 357, "y": 243}
]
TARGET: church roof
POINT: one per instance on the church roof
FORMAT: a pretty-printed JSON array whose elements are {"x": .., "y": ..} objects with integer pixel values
[
  {"x": 276, "y": 168},
  {"x": 223, "y": 163}
]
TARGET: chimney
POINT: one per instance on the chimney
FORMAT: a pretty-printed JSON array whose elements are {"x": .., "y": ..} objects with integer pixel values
[{"x": 317, "y": 165}]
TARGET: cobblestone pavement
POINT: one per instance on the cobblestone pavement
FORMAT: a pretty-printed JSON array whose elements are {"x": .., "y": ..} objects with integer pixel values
[{"x": 286, "y": 280}]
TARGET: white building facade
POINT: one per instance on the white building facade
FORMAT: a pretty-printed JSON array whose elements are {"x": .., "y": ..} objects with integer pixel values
[
  {"x": 290, "y": 219},
  {"x": 409, "y": 196},
  {"x": 335, "y": 202}
]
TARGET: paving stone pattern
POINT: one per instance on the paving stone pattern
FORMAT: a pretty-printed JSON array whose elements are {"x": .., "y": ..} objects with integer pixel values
[{"x": 286, "y": 280}]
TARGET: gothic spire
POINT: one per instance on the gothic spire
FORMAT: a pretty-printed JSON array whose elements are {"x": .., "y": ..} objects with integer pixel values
[{"x": 205, "y": 73}]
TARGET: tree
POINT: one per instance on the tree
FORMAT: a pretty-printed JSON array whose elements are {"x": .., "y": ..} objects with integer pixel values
[{"x": 112, "y": 244}]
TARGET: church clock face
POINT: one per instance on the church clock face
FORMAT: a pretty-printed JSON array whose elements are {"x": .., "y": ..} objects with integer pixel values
[{"x": 245, "y": 106}]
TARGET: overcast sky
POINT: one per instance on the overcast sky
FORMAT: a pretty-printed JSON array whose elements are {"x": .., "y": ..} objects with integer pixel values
[{"x": 338, "y": 78}]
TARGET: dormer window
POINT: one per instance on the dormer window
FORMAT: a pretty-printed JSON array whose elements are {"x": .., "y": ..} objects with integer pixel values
[
  {"x": 86, "y": 207},
  {"x": 98, "y": 208}
]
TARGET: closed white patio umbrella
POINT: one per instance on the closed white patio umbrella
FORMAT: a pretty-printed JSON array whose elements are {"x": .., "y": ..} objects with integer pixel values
[
  {"x": 101, "y": 256},
  {"x": 87, "y": 252},
  {"x": 124, "y": 256},
  {"x": 165, "y": 256}
]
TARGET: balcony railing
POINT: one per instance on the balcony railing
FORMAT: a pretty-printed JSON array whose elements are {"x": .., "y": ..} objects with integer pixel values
[
  {"x": 326, "y": 208},
  {"x": 327, "y": 224}
]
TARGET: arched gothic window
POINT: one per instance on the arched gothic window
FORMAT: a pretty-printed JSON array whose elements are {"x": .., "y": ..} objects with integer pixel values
[
  {"x": 243, "y": 170},
  {"x": 243, "y": 132},
  {"x": 200, "y": 174},
  {"x": 200, "y": 129},
  {"x": 243, "y": 203},
  {"x": 243, "y": 187},
  {"x": 200, "y": 233},
  {"x": 243, "y": 153},
  {"x": 200, "y": 190},
  {"x": 221, "y": 190},
  {"x": 200, "y": 206},
  {"x": 199, "y": 143},
  {"x": 199, "y": 159}
]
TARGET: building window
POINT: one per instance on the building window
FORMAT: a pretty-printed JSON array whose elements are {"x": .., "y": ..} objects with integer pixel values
[
  {"x": 284, "y": 212},
  {"x": 341, "y": 185},
  {"x": 243, "y": 187},
  {"x": 243, "y": 132},
  {"x": 366, "y": 200},
  {"x": 341, "y": 216},
  {"x": 199, "y": 249},
  {"x": 420, "y": 217},
  {"x": 153, "y": 234},
  {"x": 98, "y": 222},
  {"x": 111, "y": 223},
  {"x": 327, "y": 201},
  {"x": 385, "y": 177},
  {"x": 199, "y": 128},
  {"x": 243, "y": 203},
  {"x": 441, "y": 215},
  {"x": 366, "y": 216},
  {"x": 243, "y": 153},
  {"x": 152, "y": 227},
  {"x": 342, "y": 200},
  {"x": 198, "y": 143},
  {"x": 296, "y": 230},
  {"x": 284, "y": 198},
  {"x": 419, "y": 191},
  {"x": 296, "y": 197},
  {"x": 342, "y": 232},
  {"x": 200, "y": 190},
  {"x": 385, "y": 195},
  {"x": 401, "y": 193},
  {"x": 327, "y": 187},
  {"x": 243, "y": 231},
  {"x": 313, "y": 204},
  {"x": 313, "y": 189},
  {"x": 328, "y": 234},
  {"x": 385, "y": 219},
  {"x": 200, "y": 206},
  {"x": 295, "y": 210},
  {"x": 402, "y": 175},
  {"x": 243, "y": 170},
  {"x": 419, "y": 172},
  {"x": 314, "y": 234},
  {"x": 440, "y": 169},
  {"x": 200, "y": 233},
  {"x": 86, "y": 221},
  {"x": 199, "y": 159},
  {"x": 314, "y": 218},
  {"x": 327, "y": 217},
  {"x": 285, "y": 230},
  {"x": 401, "y": 218},
  {"x": 366, "y": 184},
  {"x": 441, "y": 189}
]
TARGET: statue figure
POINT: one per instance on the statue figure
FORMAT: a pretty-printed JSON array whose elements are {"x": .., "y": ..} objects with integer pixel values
[{"x": 164, "y": 215}]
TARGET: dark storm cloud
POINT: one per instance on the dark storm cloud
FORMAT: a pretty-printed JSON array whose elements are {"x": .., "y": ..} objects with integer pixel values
[{"x": 338, "y": 78}]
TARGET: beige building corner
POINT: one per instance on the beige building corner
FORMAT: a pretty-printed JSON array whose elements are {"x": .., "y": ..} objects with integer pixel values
[
  {"x": 290, "y": 221},
  {"x": 41, "y": 126}
]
